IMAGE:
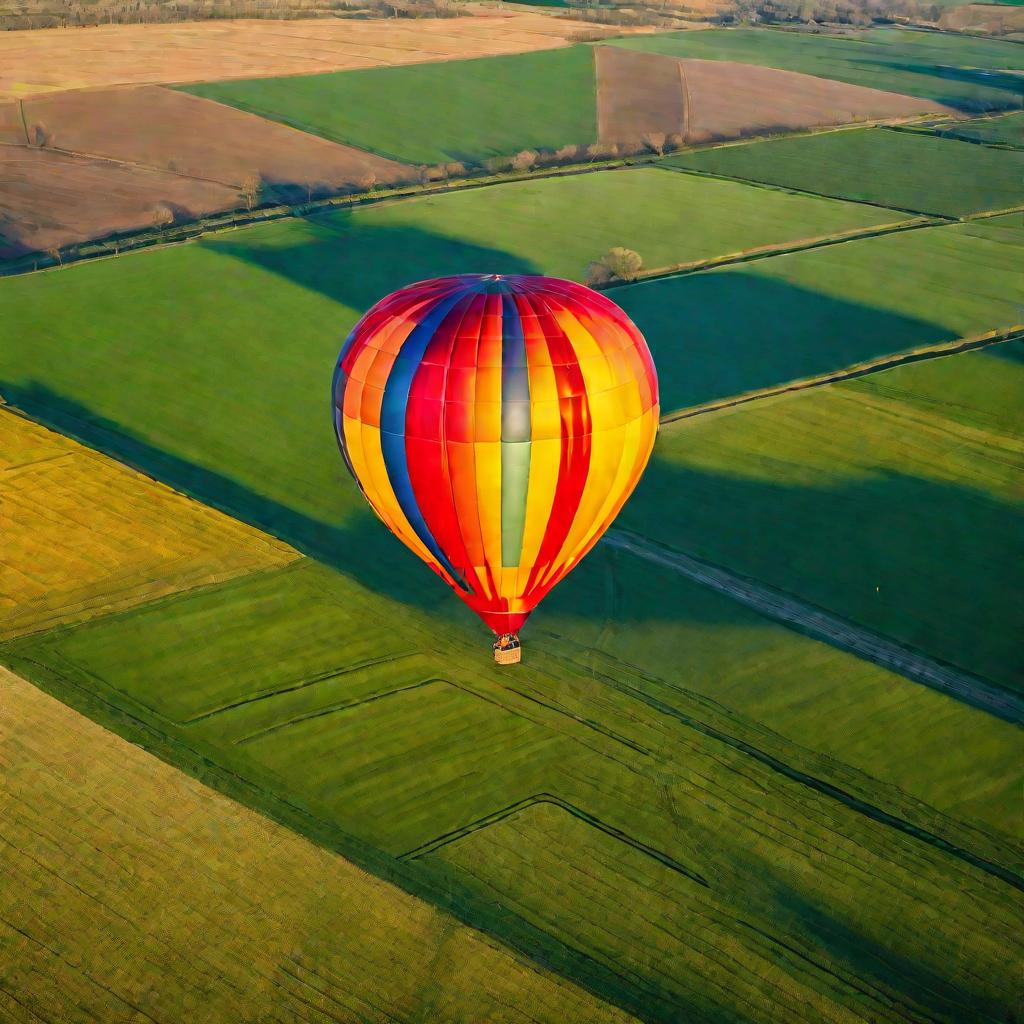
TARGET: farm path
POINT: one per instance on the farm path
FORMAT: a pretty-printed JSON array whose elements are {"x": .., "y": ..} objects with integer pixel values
[{"x": 823, "y": 625}]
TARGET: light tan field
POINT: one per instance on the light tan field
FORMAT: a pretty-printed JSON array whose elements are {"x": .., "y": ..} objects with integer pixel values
[
  {"x": 76, "y": 58},
  {"x": 52, "y": 199},
  {"x": 727, "y": 100},
  {"x": 130, "y": 892},
  {"x": 83, "y": 535},
  {"x": 707, "y": 100},
  {"x": 12, "y": 130},
  {"x": 174, "y": 131}
]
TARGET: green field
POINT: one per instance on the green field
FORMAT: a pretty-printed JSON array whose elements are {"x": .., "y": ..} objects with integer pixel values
[
  {"x": 744, "y": 328},
  {"x": 150, "y": 897},
  {"x": 431, "y": 113},
  {"x": 79, "y": 331},
  {"x": 963, "y": 71},
  {"x": 893, "y": 499},
  {"x": 908, "y": 171},
  {"x": 542, "y": 807},
  {"x": 1006, "y": 130},
  {"x": 690, "y": 810}
]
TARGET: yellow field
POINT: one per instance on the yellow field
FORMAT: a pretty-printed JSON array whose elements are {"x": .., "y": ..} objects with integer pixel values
[
  {"x": 84, "y": 535},
  {"x": 33, "y": 62},
  {"x": 130, "y": 892}
]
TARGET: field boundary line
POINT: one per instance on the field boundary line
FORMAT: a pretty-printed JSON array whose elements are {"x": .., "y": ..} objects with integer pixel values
[
  {"x": 824, "y": 625},
  {"x": 230, "y": 220},
  {"x": 887, "y": 362},
  {"x": 773, "y": 249},
  {"x": 549, "y": 798},
  {"x": 793, "y": 190}
]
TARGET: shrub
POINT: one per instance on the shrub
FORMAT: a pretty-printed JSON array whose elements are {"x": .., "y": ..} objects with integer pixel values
[
  {"x": 524, "y": 160},
  {"x": 622, "y": 263}
]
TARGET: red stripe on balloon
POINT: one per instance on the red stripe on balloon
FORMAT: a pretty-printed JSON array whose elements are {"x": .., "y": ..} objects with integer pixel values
[
  {"x": 427, "y": 457},
  {"x": 574, "y": 462}
]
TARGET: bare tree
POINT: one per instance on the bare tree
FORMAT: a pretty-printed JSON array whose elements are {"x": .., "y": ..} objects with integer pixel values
[
  {"x": 566, "y": 154},
  {"x": 251, "y": 189},
  {"x": 54, "y": 253},
  {"x": 368, "y": 182},
  {"x": 622, "y": 263},
  {"x": 162, "y": 216},
  {"x": 655, "y": 142}
]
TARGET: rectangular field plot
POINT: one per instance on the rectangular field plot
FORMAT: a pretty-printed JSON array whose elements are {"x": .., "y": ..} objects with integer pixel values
[
  {"x": 560, "y": 225},
  {"x": 905, "y": 170},
  {"x": 959, "y": 70},
  {"x": 895, "y": 500},
  {"x": 745, "y": 328},
  {"x": 1005, "y": 130},
  {"x": 84, "y": 535},
  {"x": 107, "y": 850},
  {"x": 436, "y": 112},
  {"x": 715, "y": 949}
]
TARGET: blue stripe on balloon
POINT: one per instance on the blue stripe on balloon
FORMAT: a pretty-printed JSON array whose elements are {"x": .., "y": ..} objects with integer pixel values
[{"x": 392, "y": 424}]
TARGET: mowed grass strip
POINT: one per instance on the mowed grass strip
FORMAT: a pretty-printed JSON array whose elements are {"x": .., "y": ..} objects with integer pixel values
[
  {"x": 84, "y": 535},
  {"x": 905, "y": 170},
  {"x": 563, "y": 224},
  {"x": 436, "y": 112},
  {"x": 1006, "y": 130},
  {"x": 130, "y": 890},
  {"x": 962, "y": 71},
  {"x": 895, "y": 500},
  {"x": 396, "y": 761}
]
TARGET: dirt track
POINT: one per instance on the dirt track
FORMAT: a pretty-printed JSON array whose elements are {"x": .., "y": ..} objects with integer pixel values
[{"x": 822, "y": 625}]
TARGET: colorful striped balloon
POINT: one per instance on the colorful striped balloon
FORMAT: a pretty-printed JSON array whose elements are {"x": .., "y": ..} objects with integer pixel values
[{"x": 496, "y": 425}]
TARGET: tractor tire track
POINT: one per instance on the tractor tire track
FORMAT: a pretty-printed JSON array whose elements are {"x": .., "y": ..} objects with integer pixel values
[{"x": 822, "y": 625}]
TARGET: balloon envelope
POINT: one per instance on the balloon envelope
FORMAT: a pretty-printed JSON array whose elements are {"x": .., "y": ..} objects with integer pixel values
[{"x": 496, "y": 425}]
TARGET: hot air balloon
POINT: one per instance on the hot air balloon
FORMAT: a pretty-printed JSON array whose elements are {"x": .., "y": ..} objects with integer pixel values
[{"x": 496, "y": 425}]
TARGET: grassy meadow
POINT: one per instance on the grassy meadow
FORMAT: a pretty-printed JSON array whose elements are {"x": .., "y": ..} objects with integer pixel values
[
  {"x": 744, "y": 328},
  {"x": 893, "y": 499},
  {"x": 156, "y": 856},
  {"x": 407, "y": 750},
  {"x": 1005, "y": 130},
  {"x": 966, "y": 72},
  {"x": 905, "y": 170},
  {"x": 434, "y": 112}
]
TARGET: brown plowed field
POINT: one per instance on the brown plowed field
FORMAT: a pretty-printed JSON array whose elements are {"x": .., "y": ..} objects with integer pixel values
[
  {"x": 51, "y": 199},
  {"x": 75, "y": 58},
  {"x": 161, "y": 128},
  {"x": 637, "y": 93},
  {"x": 728, "y": 100}
]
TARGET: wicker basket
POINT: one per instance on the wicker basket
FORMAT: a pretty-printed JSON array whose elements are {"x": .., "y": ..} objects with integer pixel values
[{"x": 507, "y": 655}]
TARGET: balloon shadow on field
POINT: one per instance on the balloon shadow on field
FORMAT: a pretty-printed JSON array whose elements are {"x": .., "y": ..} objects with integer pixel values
[
  {"x": 344, "y": 259},
  {"x": 831, "y": 544}
]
